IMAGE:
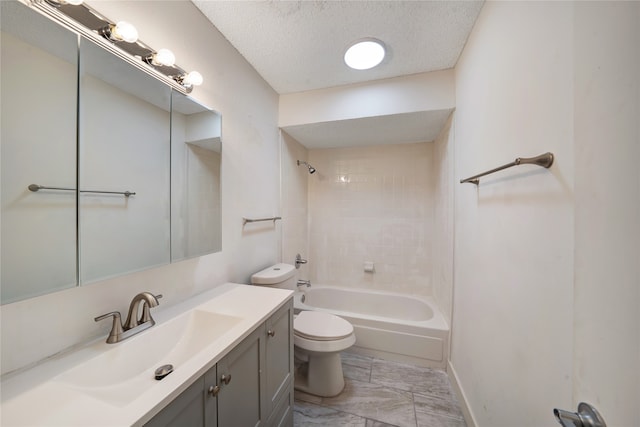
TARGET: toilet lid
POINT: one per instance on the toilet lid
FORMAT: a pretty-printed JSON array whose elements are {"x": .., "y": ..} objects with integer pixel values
[{"x": 316, "y": 325}]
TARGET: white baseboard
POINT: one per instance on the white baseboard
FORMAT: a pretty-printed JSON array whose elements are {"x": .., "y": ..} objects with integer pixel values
[{"x": 462, "y": 399}]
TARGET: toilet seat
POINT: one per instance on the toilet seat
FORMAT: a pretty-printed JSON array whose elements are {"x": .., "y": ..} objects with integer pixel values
[{"x": 319, "y": 326}]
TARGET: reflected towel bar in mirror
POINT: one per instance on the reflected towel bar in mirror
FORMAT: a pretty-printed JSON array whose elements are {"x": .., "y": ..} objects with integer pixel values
[
  {"x": 246, "y": 220},
  {"x": 544, "y": 160},
  {"x": 36, "y": 187}
]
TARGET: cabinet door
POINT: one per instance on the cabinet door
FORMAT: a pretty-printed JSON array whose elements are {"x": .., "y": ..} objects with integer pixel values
[
  {"x": 194, "y": 407},
  {"x": 241, "y": 385},
  {"x": 279, "y": 355},
  {"x": 185, "y": 410}
]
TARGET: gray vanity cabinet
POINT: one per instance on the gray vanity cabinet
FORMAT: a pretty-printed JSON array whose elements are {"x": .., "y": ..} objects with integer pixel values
[
  {"x": 193, "y": 407},
  {"x": 240, "y": 382},
  {"x": 279, "y": 367},
  {"x": 251, "y": 386}
]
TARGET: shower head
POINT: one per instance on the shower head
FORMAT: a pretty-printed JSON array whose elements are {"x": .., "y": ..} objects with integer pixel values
[{"x": 311, "y": 168}]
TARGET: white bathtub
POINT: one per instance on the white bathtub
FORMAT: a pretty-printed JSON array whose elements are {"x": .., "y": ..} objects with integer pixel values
[{"x": 387, "y": 325}]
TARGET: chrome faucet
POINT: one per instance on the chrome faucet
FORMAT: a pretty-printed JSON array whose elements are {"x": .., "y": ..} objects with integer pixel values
[
  {"x": 306, "y": 283},
  {"x": 133, "y": 325},
  {"x": 149, "y": 300}
]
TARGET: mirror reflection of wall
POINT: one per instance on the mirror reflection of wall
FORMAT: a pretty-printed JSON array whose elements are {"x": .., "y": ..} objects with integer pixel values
[
  {"x": 111, "y": 129},
  {"x": 124, "y": 122},
  {"x": 38, "y": 143},
  {"x": 196, "y": 222}
]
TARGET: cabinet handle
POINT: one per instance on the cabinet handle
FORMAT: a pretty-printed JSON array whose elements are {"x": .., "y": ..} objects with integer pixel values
[
  {"x": 226, "y": 379},
  {"x": 213, "y": 391},
  {"x": 271, "y": 333}
]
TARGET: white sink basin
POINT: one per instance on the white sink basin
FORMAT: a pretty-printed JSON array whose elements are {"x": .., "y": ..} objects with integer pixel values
[{"x": 124, "y": 372}]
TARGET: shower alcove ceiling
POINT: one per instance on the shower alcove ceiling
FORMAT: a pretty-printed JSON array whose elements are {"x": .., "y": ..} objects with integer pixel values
[
  {"x": 420, "y": 126},
  {"x": 401, "y": 110}
]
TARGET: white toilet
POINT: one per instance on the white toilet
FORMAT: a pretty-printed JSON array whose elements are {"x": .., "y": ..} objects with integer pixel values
[{"x": 318, "y": 338}]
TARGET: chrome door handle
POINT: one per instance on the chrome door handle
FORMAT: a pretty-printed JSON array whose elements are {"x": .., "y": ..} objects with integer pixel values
[
  {"x": 226, "y": 379},
  {"x": 587, "y": 416},
  {"x": 271, "y": 333}
]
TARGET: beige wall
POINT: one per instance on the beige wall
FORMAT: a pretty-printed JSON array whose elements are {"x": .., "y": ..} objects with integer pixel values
[
  {"x": 546, "y": 261},
  {"x": 442, "y": 246},
  {"x": 606, "y": 318},
  {"x": 418, "y": 92},
  {"x": 295, "y": 202}
]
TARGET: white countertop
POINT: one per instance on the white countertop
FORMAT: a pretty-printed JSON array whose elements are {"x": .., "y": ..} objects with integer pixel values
[{"x": 36, "y": 397}]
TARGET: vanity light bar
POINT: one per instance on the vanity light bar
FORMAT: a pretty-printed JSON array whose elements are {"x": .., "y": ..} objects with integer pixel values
[{"x": 120, "y": 39}]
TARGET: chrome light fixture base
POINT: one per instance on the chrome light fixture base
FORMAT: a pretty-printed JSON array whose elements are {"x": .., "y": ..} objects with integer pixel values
[{"x": 83, "y": 19}]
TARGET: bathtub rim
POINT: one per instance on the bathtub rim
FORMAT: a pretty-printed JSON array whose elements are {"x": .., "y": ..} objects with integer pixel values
[{"x": 437, "y": 323}]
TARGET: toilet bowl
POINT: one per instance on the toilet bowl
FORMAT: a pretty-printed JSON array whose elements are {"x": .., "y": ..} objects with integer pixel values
[{"x": 318, "y": 339}]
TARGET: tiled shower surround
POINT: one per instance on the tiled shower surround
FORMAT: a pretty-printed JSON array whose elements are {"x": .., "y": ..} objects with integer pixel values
[{"x": 373, "y": 203}]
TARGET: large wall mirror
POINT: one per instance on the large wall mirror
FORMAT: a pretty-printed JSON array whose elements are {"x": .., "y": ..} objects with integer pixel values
[{"x": 75, "y": 116}]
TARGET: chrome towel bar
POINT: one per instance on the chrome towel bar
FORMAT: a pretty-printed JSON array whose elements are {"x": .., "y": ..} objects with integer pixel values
[
  {"x": 36, "y": 187},
  {"x": 544, "y": 160},
  {"x": 246, "y": 220}
]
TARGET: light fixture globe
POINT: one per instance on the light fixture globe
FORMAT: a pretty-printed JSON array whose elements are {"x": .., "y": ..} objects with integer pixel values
[
  {"x": 194, "y": 78},
  {"x": 124, "y": 31},
  {"x": 164, "y": 57},
  {"x": 364, "y": 54}
]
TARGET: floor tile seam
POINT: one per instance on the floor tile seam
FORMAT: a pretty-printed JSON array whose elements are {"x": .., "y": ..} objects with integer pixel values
[
  {"x": 438, "y": 414},
  {"x": 387, "y": 387},
  {"x": 356, "y": 367},
  {"x": 340, "y": 411},
  {"x": 386, "y": 424},
  {"x": 415, "y": 411},
  {"x": 428, "y": 395},
  {"x": 409, "y": 390},
  {"x": 369, "y": 418},
  {"x": 408, "y": 365},
  {"x": 443, "y": 416},
  {"x": 357, "y": 415}
]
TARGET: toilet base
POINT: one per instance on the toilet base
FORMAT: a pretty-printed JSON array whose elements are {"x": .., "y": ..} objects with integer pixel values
[{"x": 321, "y": 375}]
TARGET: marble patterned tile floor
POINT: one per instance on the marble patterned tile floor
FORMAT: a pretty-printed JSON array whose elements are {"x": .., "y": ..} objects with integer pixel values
[{"x": 379, "y": 393}]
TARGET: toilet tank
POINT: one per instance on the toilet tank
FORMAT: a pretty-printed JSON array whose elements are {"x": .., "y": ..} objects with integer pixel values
[{"x": 279, "y": 275}]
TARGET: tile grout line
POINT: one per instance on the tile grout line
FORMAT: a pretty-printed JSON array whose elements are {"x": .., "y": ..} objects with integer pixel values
[{"x": 415, "y": 413}]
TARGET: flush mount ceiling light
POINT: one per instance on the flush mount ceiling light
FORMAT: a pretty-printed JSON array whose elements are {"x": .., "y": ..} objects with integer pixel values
[{"x": 364, "y": 54}]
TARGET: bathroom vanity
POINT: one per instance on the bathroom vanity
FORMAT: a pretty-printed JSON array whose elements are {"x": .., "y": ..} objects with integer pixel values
[{"x": 232, "y": 353}]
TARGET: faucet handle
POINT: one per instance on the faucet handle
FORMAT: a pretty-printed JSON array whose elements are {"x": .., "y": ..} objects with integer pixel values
[
  {"x": 299, "y": 261},
  {"x": 116, "y": 327}
]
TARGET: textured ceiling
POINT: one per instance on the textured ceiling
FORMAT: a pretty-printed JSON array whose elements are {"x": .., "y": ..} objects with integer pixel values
[{"x": 298, "y": 46}]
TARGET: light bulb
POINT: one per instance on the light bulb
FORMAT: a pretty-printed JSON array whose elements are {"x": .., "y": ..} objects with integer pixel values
[
  {"x": 58, "y": 3},
  {"x": 194, "y": 78},
  {"x": 364, "y": 54},
  {"x": 125, "y": 32},
  {"x": 164, "y": 57}
]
